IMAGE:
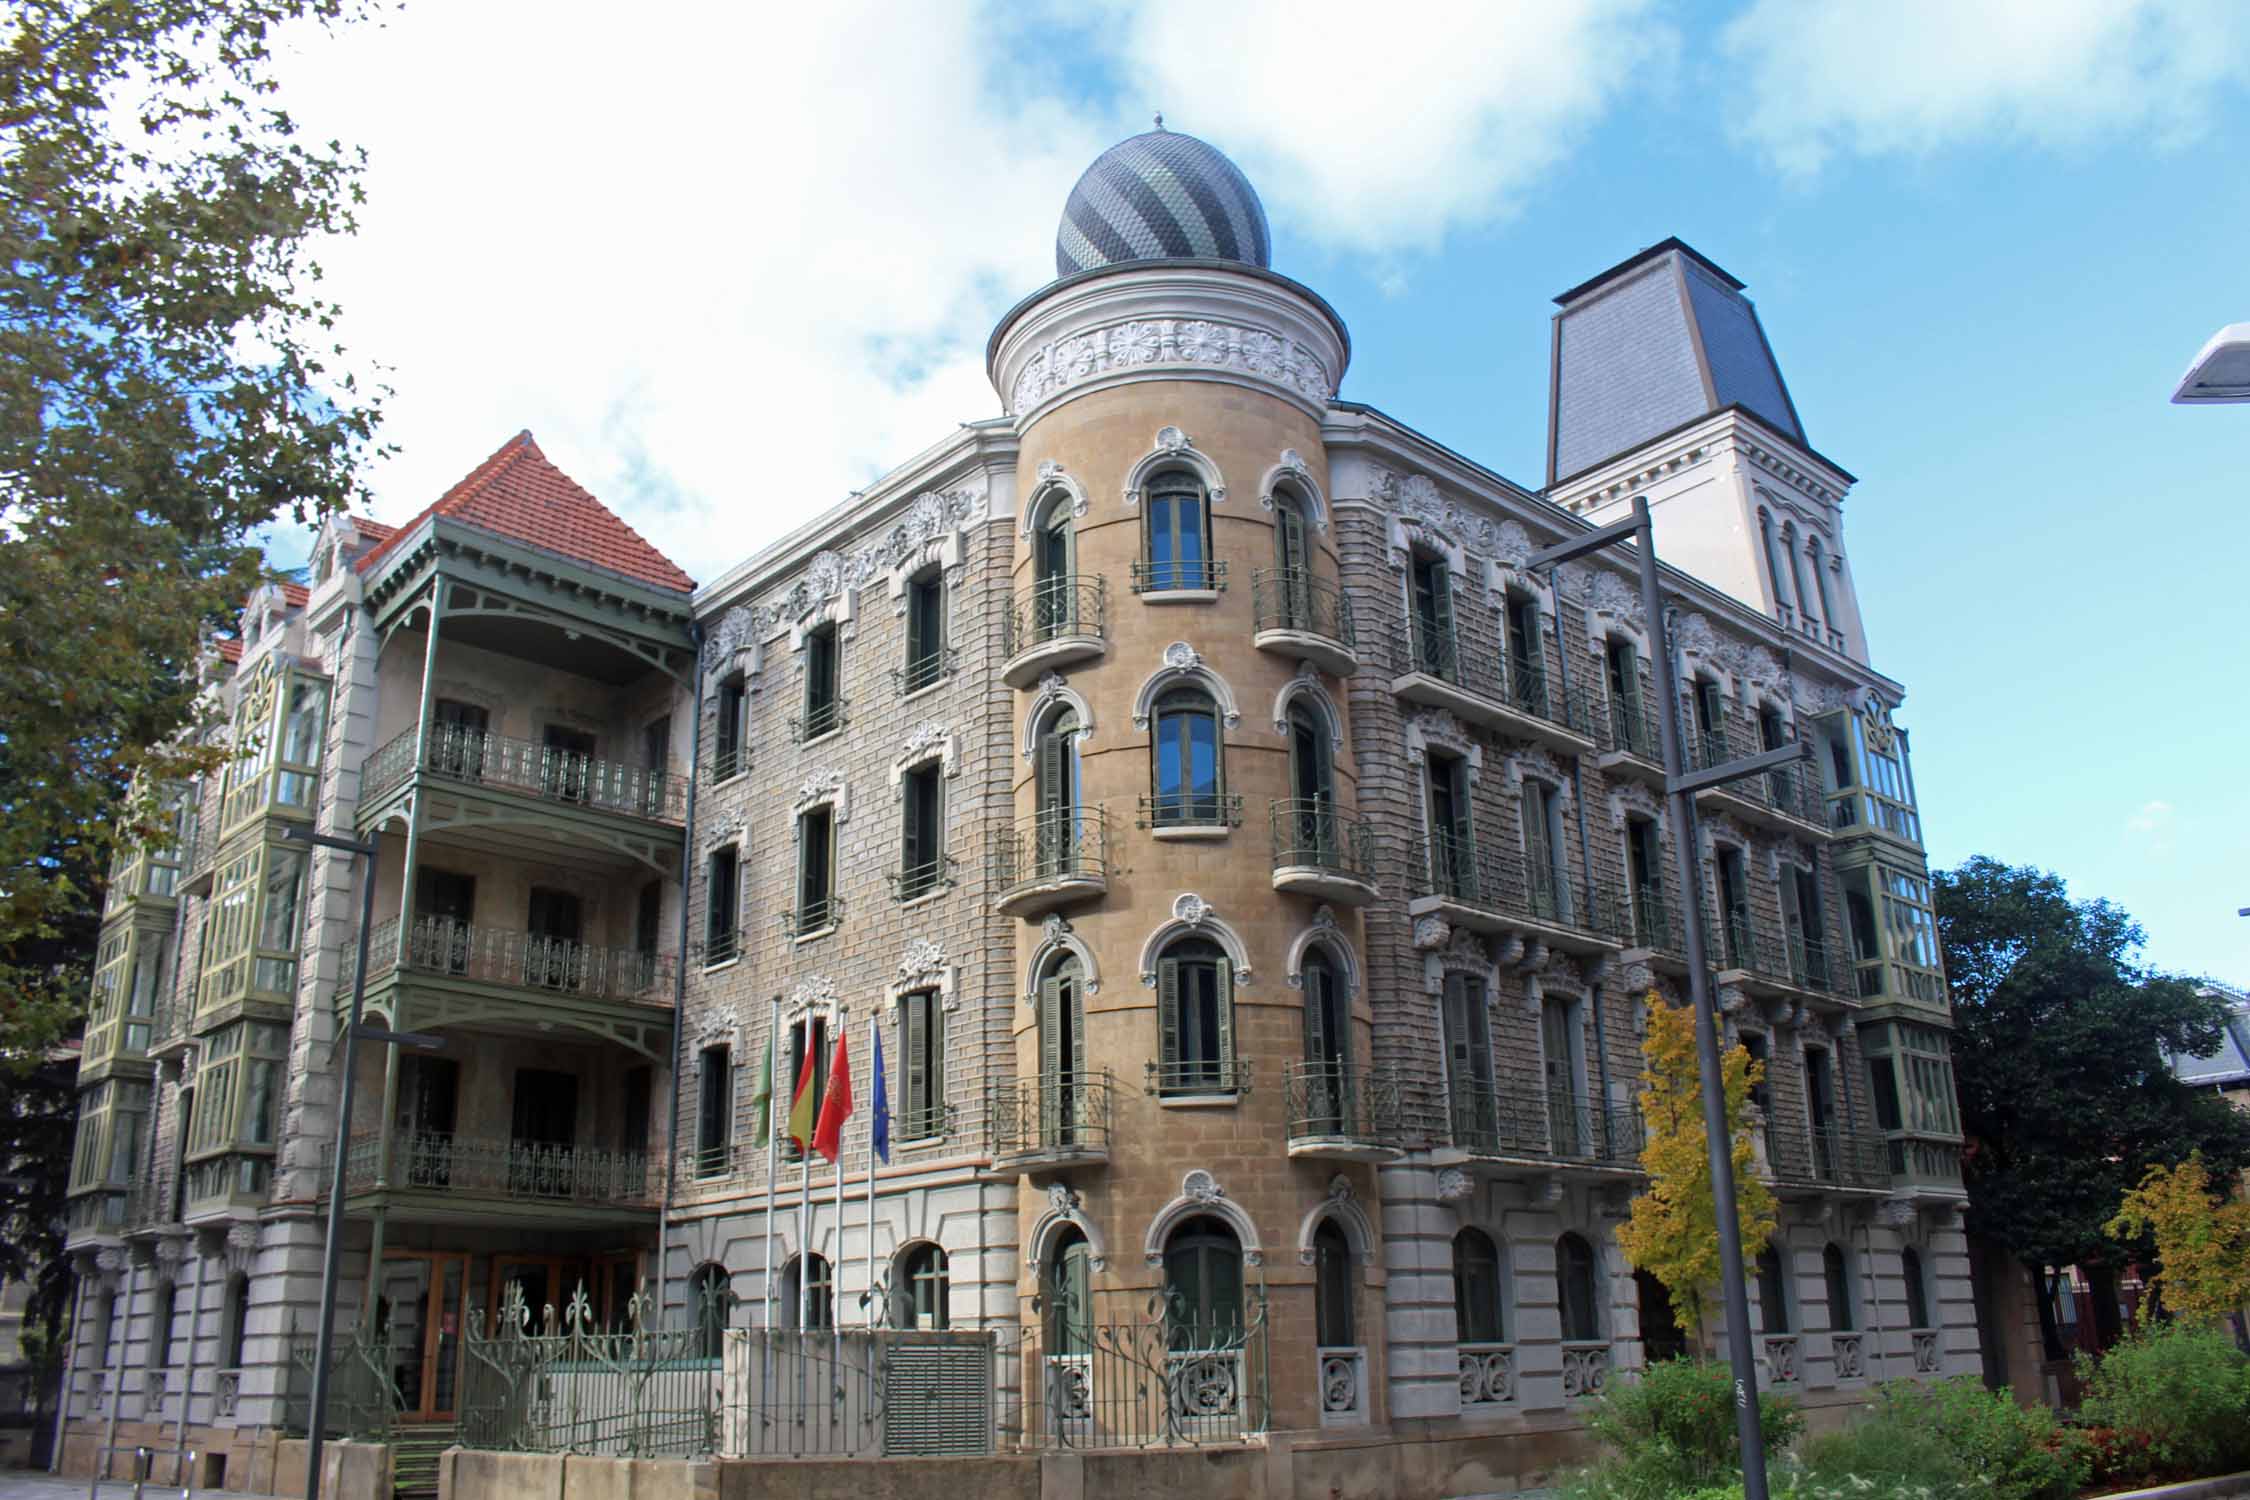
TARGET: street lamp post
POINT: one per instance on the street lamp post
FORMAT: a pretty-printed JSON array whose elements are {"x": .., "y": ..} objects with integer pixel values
[
  {"x": 1680, "y": 787},
  {"x": 316, "y": 1425}
]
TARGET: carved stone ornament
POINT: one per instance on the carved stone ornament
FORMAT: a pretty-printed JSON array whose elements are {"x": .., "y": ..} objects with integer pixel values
[
  {"x": 813, "y": 992},
  {"x": 1291, "y": 466},
  {"x": 1324, "y": 918},
  {"x": 1170, "y": 341},
  {"x": 926, "y": 737},
  {"x": 1432, "y": 933},
  {"x": 1172, "y": 440},
  {"x": 1452, "y": 1185},
  {"x": 725, "y": 829},
  {"x": 1062, "y": 1198},
  {"x": 1191, "y": 909},
  {"x": 1199, "y": 1186},
  {"x": 1440, "y": 728},
  {"x": 930, "y": 514},
  {"x": 1339, "y": 1189},
  {"x": 737, "y": 629},
  {"x": 720, "y": 1022},
  {"x": 1182, "y": 657},
  {"x": 818, "y": 784},
  {"x": 1053, "y": 927},
  {"x": 1898, "y": 1213},
  {"x": 1614, "y": 597},
  {"x": 924, "y": 959},
  {"x": 242, "y": 1246}
]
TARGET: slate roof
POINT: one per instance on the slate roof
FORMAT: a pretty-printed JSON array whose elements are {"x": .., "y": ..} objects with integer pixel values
[
  {"x": 2231, "y": 1062},
  {"x": 518, "y": 494},
  {"x": 1661, "y": 339}
]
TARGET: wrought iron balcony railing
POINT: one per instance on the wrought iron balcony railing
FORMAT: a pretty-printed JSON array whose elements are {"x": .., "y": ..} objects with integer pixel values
[
  {"x": 1531, "y": 691},
  {"x": 820, "y": 719},
  {"x": 1293, "y": 599},
  {"x": 1311, "y": 832},
  {"x": 807, "y": 918},
  {"x": 926, "y": 670},
  {"x": 1180, "y": 575},
  {"x": 477, "y": 1166},
  {"x": 1201, "y": 1076},
  {"x": 1561, "y": 1127},
  {"x": 526, "y": 961},
  {"x": 1829, "y": 1155},
  {"x": 1338, "y": 1101},
  {"x": 1191, "y": 810},
  {"x": 1066, "y": 606},
  {"x": 1633, "y": 730},
  {"x": 1655, "y": 925},
  {"x": 1518, "y": 685},
  {"x": 924, "y": 879},
  {"x": 1457, "y": 869},
  {"x": 722, "y": 946},
  {"x": 1064, "y": 1114},
  {"x": 728, "y": 762},
  {"x": 473, "y": 757},
  {"x": 1060, "y": 844}
]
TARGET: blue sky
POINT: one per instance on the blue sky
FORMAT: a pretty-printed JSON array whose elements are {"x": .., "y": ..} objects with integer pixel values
[{"x": 1984, "y": 244}]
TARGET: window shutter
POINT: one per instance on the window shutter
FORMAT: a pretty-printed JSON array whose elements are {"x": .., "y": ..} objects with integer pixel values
[
  {"x": 914, "y": 1020},
  {"x": 912, "y": 856},
  {"x": 1053, "y": 767},
  {"x": 1051, "y": 1021},
  {"x": 931, "y": 1054},
  {"x": 1168, "y": 1011},
  {"x": 1222, "y": 978},
  {"x": 1317, "y": 1041}
]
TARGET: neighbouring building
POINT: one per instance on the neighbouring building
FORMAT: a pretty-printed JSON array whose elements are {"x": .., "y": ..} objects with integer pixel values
[{"x": 1257, "y": 875}]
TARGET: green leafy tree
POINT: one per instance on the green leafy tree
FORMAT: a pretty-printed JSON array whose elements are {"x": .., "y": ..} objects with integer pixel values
[
  {"x": 2202, "y": 1235},
  {"x": 1673, "y": 1233},
  {"x": 170, "y": 380},
  {"x": 2060, "y": 1045}
]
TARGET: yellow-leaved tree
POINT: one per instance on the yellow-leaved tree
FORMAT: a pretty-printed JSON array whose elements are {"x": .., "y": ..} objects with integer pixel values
[
  {"x": 1673, "y": 1233},
  {"x": 2202, "y": 1240}
]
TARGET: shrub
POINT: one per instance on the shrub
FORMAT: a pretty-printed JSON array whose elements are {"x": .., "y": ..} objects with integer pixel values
[
  {"x": 1885, "y": 1448},
  {"x": 2181, "y": 1393},
  {"x": 2020, "y": 1454},
  {"x": 1675, "y": 1427}
]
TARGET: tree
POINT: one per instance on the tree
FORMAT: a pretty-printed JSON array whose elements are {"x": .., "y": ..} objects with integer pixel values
[
  {"x": 1673, "y": 1233},
  {"x": 2060, "y": 1045},
  {"x": 2202, "y": 1236},
  {"x": 169, "y": 381}
]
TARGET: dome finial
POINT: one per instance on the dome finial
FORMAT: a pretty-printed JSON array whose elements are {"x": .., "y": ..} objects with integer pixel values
[{"x": 1160, "y": 119}]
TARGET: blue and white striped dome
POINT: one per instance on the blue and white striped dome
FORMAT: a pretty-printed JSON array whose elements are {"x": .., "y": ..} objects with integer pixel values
[{"x": 1161, "y": 196}]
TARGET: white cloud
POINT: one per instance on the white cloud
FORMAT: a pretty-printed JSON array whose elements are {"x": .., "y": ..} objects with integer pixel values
[
  {"x": 1909, "y": 76},
  {"x": 1381, "y": 133},
  {"x": 729, "y": 263},
  {"x": 2151, "y": 828}
]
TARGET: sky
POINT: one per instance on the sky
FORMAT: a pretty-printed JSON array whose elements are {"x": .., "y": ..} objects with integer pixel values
[{"x": 730, "y": 263}]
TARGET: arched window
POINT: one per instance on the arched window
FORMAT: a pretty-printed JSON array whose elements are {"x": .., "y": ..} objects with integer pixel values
[
  {"x": 1178, "y": 536},
  {"x": 1479, "y": 1312},
  {"x": 1795, "y": 557},
  {"x": 1195, "y": 1016},
  {"x": 921, "y": 1298},
  {"x": 1661, "y": 1336},
  {"x": 1773, "y": 1292},
  {"x": 1068, "y": 1293},
  {"x": 1186, "y": 766},
  {"x": 1774, "y": 568},
  {"x": 1203, "y": 1279},
  {"x": 1820, "y": 581},
  {"x": 1334, "y": 1320},
  {"x": 1293, "y": 564},
  {"x": 1328, "y": 1103},
  {"x": 1527, "y": 657},
  {"x": 1059, "y": 607},
  {"x": 808, "y": 1293},
  {"x": 710, "y": 1301},
  {"x": 1053, "y": 538},
  {"x": 1917, "y": 1290},
  {"x": 1062, "y": 1049},
  {"x": 1576, "y": 1285},
  {"x": 1836, "y": 1269},
  {"x": 1055, "y": 762},
  {"x": 237, "y": 1327},
  {"x": 160, "y": 1334}
]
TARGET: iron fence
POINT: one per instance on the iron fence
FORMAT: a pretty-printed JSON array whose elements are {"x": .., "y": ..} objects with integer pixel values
[
  {"x": 1144, "y": 1369},
  {"x": 1199, "y": 1076},
  {"x": 926, "y": 878},
  {"x": 1191, "y": 810},
  {"x": 1064, "y": 607},
  {"x": 820, "y": 719},
  {"x": 457, "y": 753},
  {"x": 570, "y": 1385},
  {"x": 1293, "y": 599},
  {"x": 364, "y": 1400}
]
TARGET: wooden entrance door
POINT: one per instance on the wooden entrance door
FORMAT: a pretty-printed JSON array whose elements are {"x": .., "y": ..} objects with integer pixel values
[{"x": 419, "y": 1307}]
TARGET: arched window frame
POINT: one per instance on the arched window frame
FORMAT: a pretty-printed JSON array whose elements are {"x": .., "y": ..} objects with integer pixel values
[
  {"x": 710, "y": 1301},
  {"x": 1776, "y": 1290},
  {"x": 1219, "y": 1230},
  {"x": 921, "y": 1286},
  {"x": 1195, "y": 1052},
  {"x": 1053, "y": 697},
  {"x": 1919, "y": 1302},
  {"x": 1838, "y": 1282},
  {"x": 1472, "y": 1247},
  {"x": 1201, "y": 1196},
  {"x": 1777, "y": 576},
  {"x": 1291, "y": 475},
  {"x": 792, "y": 1310}
]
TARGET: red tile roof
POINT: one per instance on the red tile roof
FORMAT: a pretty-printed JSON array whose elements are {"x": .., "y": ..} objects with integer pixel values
[
  {"x": 518, "y": 494},
  {"x": 371, "y": 530},
  {"x": 231, "y": 650},
  {"x": 295, "y": 595}
]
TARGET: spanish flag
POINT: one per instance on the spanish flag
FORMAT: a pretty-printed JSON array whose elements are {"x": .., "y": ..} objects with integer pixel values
[
  {"x": 801, "y": 1109},
  {"x": 835, "y": 1104}
]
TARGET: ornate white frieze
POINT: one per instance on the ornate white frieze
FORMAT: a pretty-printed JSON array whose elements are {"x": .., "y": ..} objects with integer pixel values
[
  {"x": 1136, "y": 344},
  {"x": 813, "y": 992},
  {"x": 925, "y": 959},
  {"x": 930, "y": 514},
  {"x": 1199, "y": 1186}
]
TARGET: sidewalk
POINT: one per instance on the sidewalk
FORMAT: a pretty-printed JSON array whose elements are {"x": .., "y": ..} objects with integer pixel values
[{"x": 25, "y": 1484}]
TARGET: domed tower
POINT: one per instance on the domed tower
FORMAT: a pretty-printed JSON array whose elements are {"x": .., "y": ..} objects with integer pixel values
[{"x": 1191, "y": 1103}]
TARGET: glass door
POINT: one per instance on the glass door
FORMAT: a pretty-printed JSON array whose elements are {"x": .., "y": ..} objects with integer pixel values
[{"x": 419, "y": 1311}]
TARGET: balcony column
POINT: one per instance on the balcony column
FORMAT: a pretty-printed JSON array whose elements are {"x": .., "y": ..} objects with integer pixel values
[{"x": 421, "y": 763}]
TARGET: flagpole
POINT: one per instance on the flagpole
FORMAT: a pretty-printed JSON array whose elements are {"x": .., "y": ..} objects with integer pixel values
[
  {"x": 773, "y": 1034},
  {"x": 836, "y": 1270},
  {"x": 874, "y": 1053}
]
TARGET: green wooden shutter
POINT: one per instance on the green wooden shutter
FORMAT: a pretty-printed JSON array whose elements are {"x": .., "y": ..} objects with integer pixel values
[
  {"x": 1317, "y": 1041},
  {"x": 931, "y": 1056},
  {"x": 1168, "y": 1014},
  {"x": 1050, "y": 1027},
  {"x": 912, "y": 854},
  {"x": 1538, "y": 847},
  {"x": 1222, "y": 978},
  {"x": 914, "y": 1020},
  {"x": 1053, "y": 769}
]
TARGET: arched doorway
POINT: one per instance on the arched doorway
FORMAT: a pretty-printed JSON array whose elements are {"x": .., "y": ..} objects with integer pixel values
[
  {"x": 1055, "y": 789},
  {"x": 1062, "y": 1051},
  {"x": 1327, "y": 1107},
  {"x": 1054, "y": 551},
  {"x": 1335, "y": 1319},
  {"x": 1661, "y": 1335},
  {"x": 1203, "y": 1285}
]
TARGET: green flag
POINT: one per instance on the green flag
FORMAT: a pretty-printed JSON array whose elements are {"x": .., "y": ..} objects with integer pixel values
[{"x": 761, "y": 1103}]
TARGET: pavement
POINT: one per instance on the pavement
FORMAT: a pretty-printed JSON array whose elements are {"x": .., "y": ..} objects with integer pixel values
[{"x": 24, "y": 1484}]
